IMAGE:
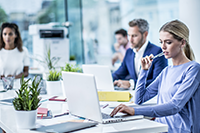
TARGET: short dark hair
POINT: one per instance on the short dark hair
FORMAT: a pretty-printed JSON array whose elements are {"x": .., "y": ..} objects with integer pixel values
[
  {"x": 141, "y": 23},
  {"x": 121, "y": 31},
  {"x": 18, "y": 39}
]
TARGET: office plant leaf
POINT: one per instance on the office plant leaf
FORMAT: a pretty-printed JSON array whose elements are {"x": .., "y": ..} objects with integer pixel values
[
  {"x": 27, "y": 95},
  {"x": 48, "y": 61},
  {"x": 53, "y": 75}
]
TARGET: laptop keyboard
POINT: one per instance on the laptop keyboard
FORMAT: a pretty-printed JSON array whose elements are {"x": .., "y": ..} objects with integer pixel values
[{"x": 106, "y": 116}]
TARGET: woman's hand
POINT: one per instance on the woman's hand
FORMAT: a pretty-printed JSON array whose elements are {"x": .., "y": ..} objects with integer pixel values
[
  {"x": 146, "y": 62},
  {"x": 124, "y": 109}
]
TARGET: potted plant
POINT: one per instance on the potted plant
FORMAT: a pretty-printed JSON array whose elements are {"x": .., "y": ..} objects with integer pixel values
[
  {"x": 71, "y": 68},
  {"x": 48, "y": 62},
  {"x": 53, "y": 83},
  {"x": 72, "y": 59},
  {"x": 27, "y": 102}
]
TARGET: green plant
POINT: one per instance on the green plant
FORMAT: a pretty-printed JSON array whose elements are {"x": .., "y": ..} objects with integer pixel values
[
  {"x": 27, "y": 95},
  {"x": 53, "y": 75},
  {"x": 48, "y": 61},
  {"x": 71, "y": 68},
  {"x": 72, "y": 57}
]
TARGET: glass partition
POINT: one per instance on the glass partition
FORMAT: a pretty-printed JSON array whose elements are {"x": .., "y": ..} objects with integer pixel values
[{"x": 92, "y": 23}]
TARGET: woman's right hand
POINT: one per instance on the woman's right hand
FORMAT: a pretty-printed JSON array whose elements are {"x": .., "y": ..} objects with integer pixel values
[
  {"x": 146, "y": 62},
  {"x": 123, "y": 109}
]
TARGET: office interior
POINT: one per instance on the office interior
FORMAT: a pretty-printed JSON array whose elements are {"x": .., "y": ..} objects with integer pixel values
[
  {"x": 86, "y": 27},
  {"x": 90, "y": 24}
]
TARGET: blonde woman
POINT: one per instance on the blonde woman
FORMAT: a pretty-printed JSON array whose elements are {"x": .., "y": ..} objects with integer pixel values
[{"x": 177, "y": 86}]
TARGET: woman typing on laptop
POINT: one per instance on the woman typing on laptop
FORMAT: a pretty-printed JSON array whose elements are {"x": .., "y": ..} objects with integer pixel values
[{"x": 177, "y": 86}]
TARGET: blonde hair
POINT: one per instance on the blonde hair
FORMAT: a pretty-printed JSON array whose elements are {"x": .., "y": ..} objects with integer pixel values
[{"x": 180, "y": 32}]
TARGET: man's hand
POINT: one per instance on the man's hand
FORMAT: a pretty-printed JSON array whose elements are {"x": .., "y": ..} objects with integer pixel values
[
  {"x": 116, "y": 46},
  {"x": 124, "y": 109},
  {"x": 122, "y": 83}
]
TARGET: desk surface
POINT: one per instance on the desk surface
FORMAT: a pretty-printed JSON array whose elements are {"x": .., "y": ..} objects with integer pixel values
[{"x": 7, "y": 119}]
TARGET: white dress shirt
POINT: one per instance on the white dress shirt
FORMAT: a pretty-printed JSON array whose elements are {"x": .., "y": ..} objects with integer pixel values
[{"x": 138, "y": 56}]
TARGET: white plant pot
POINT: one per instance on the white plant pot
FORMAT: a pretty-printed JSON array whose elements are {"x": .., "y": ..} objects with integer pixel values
[
  {"x": 54, "y": 88},
  {"x": 73, "y": 62},
  {"x": 45, "y": 75},
  {"x": 26, "y": 119}
]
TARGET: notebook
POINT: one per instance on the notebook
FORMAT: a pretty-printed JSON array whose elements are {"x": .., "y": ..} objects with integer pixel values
[
  {"x": 103, "y": 77},
  {"x": 83, "y": 101},
  {"x": 65, "y": 127}
]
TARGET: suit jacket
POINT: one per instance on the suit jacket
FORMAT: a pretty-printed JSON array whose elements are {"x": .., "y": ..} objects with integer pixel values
[{"x": 128, "y": 65}]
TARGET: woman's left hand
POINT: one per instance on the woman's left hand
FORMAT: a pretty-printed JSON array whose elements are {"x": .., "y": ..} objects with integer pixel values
[{"x": 124, "y": 109}]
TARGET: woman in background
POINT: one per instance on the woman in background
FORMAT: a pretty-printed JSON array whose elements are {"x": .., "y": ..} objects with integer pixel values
[
  {"x": 14, "y": 60},
  {"x": 177, "y": 86}
]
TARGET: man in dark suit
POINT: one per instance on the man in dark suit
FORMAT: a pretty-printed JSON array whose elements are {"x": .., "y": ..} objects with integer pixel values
[{"x": 140, "y": 47}]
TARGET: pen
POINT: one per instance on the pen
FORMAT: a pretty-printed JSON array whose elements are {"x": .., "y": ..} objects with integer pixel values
[
  {"x": 66, "y": 113},
  {"x": 61, "y": 114},
  {"x": 44, "y": 100},
  {"x": 158, "y": 55},
  {"x": 104, "y": 106}
]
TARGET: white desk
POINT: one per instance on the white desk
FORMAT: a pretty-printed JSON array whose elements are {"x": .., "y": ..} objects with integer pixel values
[{"x": 7, "y": 120}]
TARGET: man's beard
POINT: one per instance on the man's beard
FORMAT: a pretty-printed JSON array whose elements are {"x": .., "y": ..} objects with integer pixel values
[{"x": 139, "y": 44}]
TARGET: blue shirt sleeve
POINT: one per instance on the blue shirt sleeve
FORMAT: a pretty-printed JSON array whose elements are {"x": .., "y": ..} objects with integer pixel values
[
  {"x": 185, "y": 91},
  {"x": 122, "y": 71},
  {"x": 142, "y": 94}
]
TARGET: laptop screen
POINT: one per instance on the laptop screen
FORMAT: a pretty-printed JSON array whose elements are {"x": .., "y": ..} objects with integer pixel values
[
  {"x": 82, "y": 96},
  {"x": 102, "y": 75}
]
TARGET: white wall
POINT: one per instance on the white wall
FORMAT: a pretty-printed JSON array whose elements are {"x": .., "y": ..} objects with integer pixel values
[{"x": 189, "y": 14}]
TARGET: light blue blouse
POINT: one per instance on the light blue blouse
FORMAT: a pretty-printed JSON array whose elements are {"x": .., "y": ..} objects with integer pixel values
[{"x": 178, "y": 103}]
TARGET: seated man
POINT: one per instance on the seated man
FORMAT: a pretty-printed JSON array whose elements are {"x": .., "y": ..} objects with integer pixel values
[
  {"x": 140, "y": 47},
  {"x": 121, "y": 46}
]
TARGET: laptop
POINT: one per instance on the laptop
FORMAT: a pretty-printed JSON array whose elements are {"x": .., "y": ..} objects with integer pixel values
[
  {"x": 103, "y": 77},
  {"x": 65, "y": 127},
  {"x": 83, "y": 101}
]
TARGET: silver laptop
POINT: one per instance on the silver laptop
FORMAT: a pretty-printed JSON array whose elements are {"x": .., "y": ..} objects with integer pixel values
[
  {"x": 83, "y": 101},
  {"x": 102, "y": 75},
  {"x": 65, "y": 127}
]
